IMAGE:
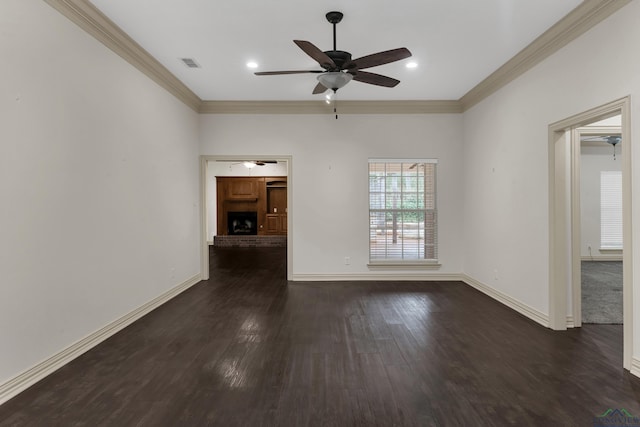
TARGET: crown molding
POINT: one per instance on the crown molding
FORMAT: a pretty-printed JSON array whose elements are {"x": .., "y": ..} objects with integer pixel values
[
  {"x": 577, "y": 22},
  {"x": 90, "y": 19},
  {"x": 321, "y": 107}
]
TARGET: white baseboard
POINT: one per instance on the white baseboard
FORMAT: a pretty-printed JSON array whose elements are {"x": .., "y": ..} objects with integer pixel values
[
  {"x": 635, "y": 367},
  {"x": 380, "y": 276},
  {"x": 514, "y": 304},
  {"x": 570, "y": 322},
  {"x": 31, "y": 376},
  {"x": 510, "y": 302}
]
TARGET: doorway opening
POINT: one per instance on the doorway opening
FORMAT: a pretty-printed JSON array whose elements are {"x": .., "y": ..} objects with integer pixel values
[
  {"x": 565, "y": 226},
  {"x": 244, "y": 215},
  {"x": 598, "y": 291}
]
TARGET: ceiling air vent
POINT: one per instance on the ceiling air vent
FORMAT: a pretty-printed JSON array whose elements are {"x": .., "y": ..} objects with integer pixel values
[{"x": 190, "y": 62}]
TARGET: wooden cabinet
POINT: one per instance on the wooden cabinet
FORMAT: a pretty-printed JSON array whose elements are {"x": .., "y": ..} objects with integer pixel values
[
  {"x": 276, "y": 224},
  {"x": 243, "y": 189},
  {"x": 266, "y": 196}
]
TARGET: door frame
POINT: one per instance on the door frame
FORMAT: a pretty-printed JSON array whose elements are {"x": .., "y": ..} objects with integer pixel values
[
  {"x": 204, "y": 183},
  {"x": 564, "y": 217},
  {"x": 576, "y": 222}
]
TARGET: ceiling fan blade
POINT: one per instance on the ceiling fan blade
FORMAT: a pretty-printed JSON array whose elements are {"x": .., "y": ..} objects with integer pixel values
[
  {"x": 319, "y": 89},
  {"x": 275, "y": 73},
  {"x": 375, "y": 79},
  {"x": 320, "y": 57},
  {"x": 380, "y": 58}
]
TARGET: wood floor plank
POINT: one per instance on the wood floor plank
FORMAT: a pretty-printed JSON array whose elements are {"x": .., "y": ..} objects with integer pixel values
[{"x": 248, "y": 348}]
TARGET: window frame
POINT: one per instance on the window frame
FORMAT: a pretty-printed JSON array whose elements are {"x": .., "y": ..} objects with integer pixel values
[{"x": 429, "y": 208}]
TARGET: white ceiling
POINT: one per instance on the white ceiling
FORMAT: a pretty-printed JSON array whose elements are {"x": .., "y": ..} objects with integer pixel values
[{"x": 456, "y": 43}]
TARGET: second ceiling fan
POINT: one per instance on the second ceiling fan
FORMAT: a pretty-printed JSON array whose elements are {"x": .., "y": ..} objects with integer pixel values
[{"x": 338, "y": 66}]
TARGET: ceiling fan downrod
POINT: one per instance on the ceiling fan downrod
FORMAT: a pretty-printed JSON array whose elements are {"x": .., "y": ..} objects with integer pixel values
[{"x": 334, "y": 18}]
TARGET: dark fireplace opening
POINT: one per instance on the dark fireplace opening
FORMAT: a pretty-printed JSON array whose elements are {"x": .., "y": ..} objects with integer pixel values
[{"x": 242, "y": 223}]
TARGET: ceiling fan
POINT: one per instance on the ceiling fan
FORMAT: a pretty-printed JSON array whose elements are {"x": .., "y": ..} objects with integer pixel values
[
  {"x": 613, "y": 140},
  {"x": 262, "y": 162},
  {"x": 250, "y": 163},
  {"x": 338, "y": 66}
]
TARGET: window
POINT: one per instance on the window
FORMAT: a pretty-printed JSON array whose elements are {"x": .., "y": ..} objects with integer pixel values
[
  {"x": 402, "y": 210},
  {"x": 610, "y": 210}
]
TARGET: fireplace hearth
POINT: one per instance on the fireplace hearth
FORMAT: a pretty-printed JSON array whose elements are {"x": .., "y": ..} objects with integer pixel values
[{"x": 242, "y": 223}]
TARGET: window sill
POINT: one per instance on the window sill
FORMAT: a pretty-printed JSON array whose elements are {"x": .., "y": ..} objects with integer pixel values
[
  {"x": 611, "y": 250},
  {"x": 404, "y": 265}
]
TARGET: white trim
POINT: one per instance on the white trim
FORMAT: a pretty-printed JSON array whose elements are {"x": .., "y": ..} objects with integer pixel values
[
  {"x": 31, "y": 376},
  {"x": 505, "y": 299},
  {"x": 576, "y": 228},
  {"x": 376, "y": 277},
  {"x": 635, "y": 367},
  {"x": 321, "y": 107},
  {"x": 204, "y": 247},
  {"x": 204, "y": 228},
  {"x": 579, "y": 20},
  {"x": 522, "y": 308},
  {"x": 570, "y": 322},
  {"x": 561, "y": 249},
  {"x": 584, "y": 17},
  {"x": 90, "y": 19}
]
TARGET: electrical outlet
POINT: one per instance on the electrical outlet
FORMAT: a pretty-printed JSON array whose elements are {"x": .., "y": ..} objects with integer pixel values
[{"x": 347, "y": 260}]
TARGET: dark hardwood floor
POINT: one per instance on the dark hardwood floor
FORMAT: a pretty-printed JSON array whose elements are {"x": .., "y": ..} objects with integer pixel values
[{"x": 246, "y": 348}]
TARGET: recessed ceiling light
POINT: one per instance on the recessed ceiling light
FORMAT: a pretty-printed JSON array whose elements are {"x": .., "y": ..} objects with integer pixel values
[
  {"x": 412, "y": 65},
  {"x": 252, "y": 64}
]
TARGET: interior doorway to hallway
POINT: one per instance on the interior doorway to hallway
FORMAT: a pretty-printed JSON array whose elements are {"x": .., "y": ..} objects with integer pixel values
[{"x": 564, "y": 225}]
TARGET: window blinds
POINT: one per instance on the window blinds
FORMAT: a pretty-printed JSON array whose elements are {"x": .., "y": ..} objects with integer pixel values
[
  {"x": 402, "y": 210},
  {"x": 611, "y": 210}
]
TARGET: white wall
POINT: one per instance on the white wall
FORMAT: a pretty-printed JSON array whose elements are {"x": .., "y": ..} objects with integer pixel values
[
  {"x": 98, "y": 182},
  {"x": 506, "y": 156},
  {"x": 329, "y": 176},
  {"x": 98, "y": 177},
  {"x": 225, "y": 168},
  {"x": 594, "y": 158}
]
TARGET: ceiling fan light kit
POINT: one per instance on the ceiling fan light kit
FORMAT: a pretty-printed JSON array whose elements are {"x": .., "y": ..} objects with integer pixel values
[
  {"x": 334, "y": 80},
  {"x": 338, "y": 66}
]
